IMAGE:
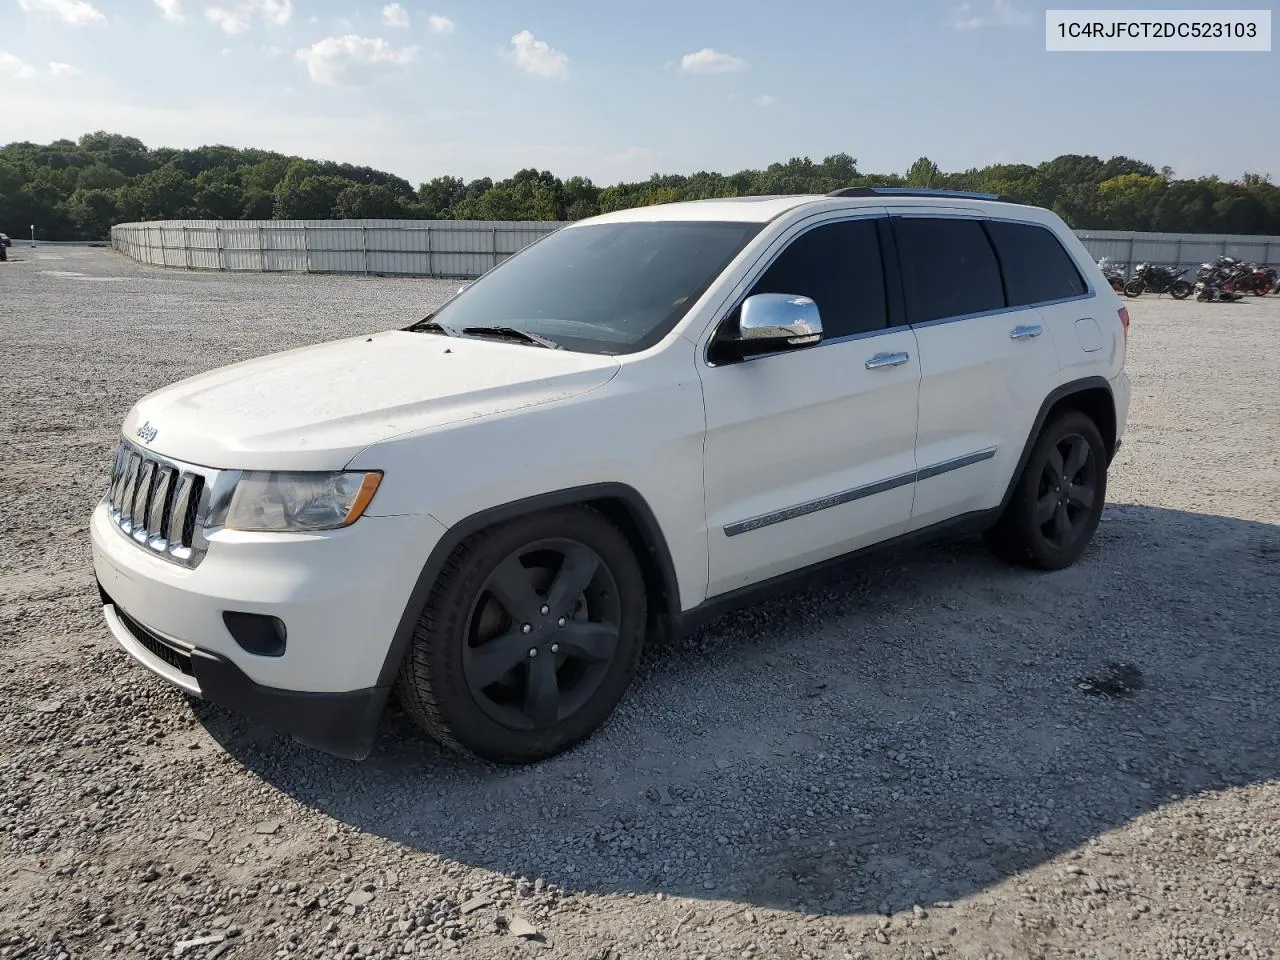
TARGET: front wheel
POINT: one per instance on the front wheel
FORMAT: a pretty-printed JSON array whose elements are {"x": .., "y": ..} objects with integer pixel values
[
  {"x": 1058, "y": 500},
  {"x": 1180, "y": 290},
  {"x": 1134, "y": 288},
  {"x": 529, "y": 638}
]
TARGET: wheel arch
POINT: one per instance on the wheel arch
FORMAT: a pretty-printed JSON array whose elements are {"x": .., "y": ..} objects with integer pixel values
[
  {"x": 621, "y": 504},
  {"x": 1092, "y": 396}
]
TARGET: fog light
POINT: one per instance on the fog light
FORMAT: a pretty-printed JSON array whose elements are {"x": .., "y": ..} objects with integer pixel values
[{"x": 256, "y": 633}]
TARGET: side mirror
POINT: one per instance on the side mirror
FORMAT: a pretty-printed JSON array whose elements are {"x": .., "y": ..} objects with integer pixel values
[{"x": 775, "y": 321}]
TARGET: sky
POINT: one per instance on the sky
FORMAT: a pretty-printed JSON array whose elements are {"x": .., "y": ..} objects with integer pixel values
[{"x": 618, "y": 91}]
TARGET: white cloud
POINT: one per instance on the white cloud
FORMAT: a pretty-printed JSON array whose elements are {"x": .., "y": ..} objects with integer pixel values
[
  {"x": 1001, "y": 13},
  {"x": 350, "y": 59},
  {"x": 394, "y": 15},
  {"x": 537, "y": 57},
  {"x": 707, "y": 60},
  {"x": 14, "y": 66},
  {"x": 63, "y": 69},
  {"x": 439, "y": 24},
  {"x": 77, "y": 13},
  {"x": 238, "y": 16},
  {"x": 766, "y": 100},
  {"x": 172, "y": 9}
]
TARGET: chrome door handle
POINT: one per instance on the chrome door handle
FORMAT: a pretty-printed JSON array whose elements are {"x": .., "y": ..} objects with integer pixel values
[
  {"x": 886, "y": 360},
  {"x": 1026, "y": 332}
]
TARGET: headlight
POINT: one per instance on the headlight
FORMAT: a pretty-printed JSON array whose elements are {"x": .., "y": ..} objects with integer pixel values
[{"x": 300, "y": 501}]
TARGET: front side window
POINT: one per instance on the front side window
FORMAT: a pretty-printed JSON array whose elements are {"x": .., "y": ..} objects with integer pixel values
[
  {"x": 948, "y": 268},
  {"x": 607, "y": 288},
  {"x": 838, "y": 266},
  {"x": 1035, "y": 266}
]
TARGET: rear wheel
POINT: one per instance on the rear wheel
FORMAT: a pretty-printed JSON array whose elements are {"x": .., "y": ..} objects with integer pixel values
[
  {"x": 1180, "y": 290},
  {"x": 1058, "y": 500},
  {"x": 529, "y": 639},
  {"x": 1134, "y": 288}
]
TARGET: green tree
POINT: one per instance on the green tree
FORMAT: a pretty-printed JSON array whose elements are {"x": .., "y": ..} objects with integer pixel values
[{"x": 368, "y": 201}]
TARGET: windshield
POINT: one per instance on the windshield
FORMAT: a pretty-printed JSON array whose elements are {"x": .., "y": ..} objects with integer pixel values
[{"x": 605, "y": 288}]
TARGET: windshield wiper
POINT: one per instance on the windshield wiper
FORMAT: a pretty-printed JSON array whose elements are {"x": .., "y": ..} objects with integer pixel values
[
  {"x": 427, "y": 325},
  {"x": 512, "y": 333}
]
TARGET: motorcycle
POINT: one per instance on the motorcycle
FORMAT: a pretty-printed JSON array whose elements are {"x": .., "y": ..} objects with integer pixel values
[
  {"x": 1215, "y": 283},
  {"x": 1158, "y": 279},
  {"x": 1113, "y": 272},
  {"x": 1246, "y": 277}
]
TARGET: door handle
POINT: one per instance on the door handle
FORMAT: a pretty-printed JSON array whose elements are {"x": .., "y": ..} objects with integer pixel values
[
  {"x": 1026, "y": 332},
  {"x": 881, "y": 360}
]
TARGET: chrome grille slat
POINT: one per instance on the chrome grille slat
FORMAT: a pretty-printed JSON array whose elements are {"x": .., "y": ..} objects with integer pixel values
[
  {"x": 160, "y": 503},
  {"x": 158, "y": 519},
  {"x": 142, "y": 498}
]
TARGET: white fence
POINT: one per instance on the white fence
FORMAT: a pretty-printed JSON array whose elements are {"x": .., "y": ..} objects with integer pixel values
[
  {"x": 467, "y": 248},
  {"x": 423, "y": 248}
]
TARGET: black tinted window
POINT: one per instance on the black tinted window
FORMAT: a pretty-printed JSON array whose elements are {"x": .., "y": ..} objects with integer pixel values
[
  {"x": 838, "y": 267},
  {"x": 602, "y": 288},
  {"x": 948, "y": 268},
  {"x": 1035, "y": 266}
]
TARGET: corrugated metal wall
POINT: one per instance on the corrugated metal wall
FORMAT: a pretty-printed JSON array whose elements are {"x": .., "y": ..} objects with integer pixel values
[
  {"x": 1177, "y": 249},
  {"x": 467, "y": 248},
  {"x": 421, "y": 248}
]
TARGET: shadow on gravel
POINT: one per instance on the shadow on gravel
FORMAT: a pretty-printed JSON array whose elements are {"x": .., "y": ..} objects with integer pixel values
[{"x": 912, "y": 730}]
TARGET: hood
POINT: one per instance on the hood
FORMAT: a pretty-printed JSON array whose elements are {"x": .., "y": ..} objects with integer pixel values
[{"x": 315, "y": 408}]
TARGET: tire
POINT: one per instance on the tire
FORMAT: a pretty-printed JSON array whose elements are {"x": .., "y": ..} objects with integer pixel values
[
  {"x": 1028, "y": 532},
  {"x": 1134, "y": 288},
  {"x": 1180, "y": 290},
  {"x": 570, "y": 562}
]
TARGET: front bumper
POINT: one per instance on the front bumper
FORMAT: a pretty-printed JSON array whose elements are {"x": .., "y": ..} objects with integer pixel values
[
  {"x": 340, "y": 595},
  {"x": 343, "y": 724}
]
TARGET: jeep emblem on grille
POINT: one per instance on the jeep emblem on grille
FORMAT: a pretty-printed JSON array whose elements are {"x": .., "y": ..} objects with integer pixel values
[{"x": 147, "y": 432}]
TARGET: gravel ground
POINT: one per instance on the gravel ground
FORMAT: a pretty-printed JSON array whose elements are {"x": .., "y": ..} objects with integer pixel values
[{"x": 932, "y": 755}]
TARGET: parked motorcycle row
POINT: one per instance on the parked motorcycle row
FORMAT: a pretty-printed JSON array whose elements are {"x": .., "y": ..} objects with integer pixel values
[{"x": 1225, "y": 279}]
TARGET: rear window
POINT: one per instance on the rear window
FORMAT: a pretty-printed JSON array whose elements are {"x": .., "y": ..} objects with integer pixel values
[
  {"x": 1036, "y": 267},
  {"x": 948, "y": 268}
]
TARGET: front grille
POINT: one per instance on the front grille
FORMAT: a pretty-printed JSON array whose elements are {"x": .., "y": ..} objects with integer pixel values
[
  {"x": 159, "y": 503},
  {"x": 174, "y": 657}
]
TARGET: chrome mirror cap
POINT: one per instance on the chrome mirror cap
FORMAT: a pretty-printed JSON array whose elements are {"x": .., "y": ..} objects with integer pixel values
[{"x": 789, "y": 319}]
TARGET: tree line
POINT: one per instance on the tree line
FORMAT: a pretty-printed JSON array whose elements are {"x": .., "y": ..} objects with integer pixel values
[{"x": 75, "y": 190}]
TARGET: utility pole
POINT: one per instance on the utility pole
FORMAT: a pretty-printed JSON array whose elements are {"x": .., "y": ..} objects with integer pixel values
[{"x": 33, "y": 236}]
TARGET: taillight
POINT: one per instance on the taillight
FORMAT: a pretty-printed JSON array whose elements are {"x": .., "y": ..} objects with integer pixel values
[{"x": 1124, "y": 321}]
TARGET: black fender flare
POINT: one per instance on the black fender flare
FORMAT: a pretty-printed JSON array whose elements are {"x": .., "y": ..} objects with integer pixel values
[
  {"x": 1056, "y": 396},
  {"x": 638, "y": 508}
]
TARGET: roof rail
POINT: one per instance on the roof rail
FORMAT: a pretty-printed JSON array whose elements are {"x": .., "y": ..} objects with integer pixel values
[{"x": 918, "y": 192}]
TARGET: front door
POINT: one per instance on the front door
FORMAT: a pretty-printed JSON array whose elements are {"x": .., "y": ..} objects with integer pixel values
[{"x": 810, "y": 452}]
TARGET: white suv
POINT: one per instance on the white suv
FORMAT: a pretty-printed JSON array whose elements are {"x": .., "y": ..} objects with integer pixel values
[{"x": 631, "y": 424}]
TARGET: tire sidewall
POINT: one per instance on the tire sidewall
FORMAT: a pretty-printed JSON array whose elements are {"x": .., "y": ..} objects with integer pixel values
[{"x": 444, "y": 633}]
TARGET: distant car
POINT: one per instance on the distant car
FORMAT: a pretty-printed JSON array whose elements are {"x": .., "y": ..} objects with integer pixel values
[{"x": 4, "y": 243}]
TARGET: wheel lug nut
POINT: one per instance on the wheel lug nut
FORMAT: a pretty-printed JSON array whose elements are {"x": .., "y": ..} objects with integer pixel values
[
  {"x": 527, "y": 628},
  {"x": 545, "y": 610},
  {"x": 533, "y": 651},
  {"x": 561, "y": 622},
  {"x": 555, "y": 648}
]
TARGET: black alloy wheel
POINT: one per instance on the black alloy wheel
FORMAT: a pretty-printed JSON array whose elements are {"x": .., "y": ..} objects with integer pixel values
[
  {"x": 1057, "y": 501},
  {"x": 529, "y": 638},
  {"x": 541, "y": 634},
  {"x": 1067, "y": 490}
]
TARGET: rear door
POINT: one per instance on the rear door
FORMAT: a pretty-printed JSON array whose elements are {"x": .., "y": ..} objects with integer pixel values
[
  {"x": 810, "y": 453},
  {"x": 985, "y": 367}
]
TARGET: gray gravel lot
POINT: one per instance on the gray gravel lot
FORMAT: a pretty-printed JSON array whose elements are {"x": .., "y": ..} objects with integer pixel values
[{"x": 902, "y": 761}]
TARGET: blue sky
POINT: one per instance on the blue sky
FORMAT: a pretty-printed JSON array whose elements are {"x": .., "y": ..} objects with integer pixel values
[{"x": 618, "y": 91}]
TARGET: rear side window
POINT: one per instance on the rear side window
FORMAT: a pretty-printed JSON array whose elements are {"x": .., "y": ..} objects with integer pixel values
[
  {"x": 838, "y": 266},
  {"x": 1036, "y": 267},
  {"x": 948, "y": 268}
]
